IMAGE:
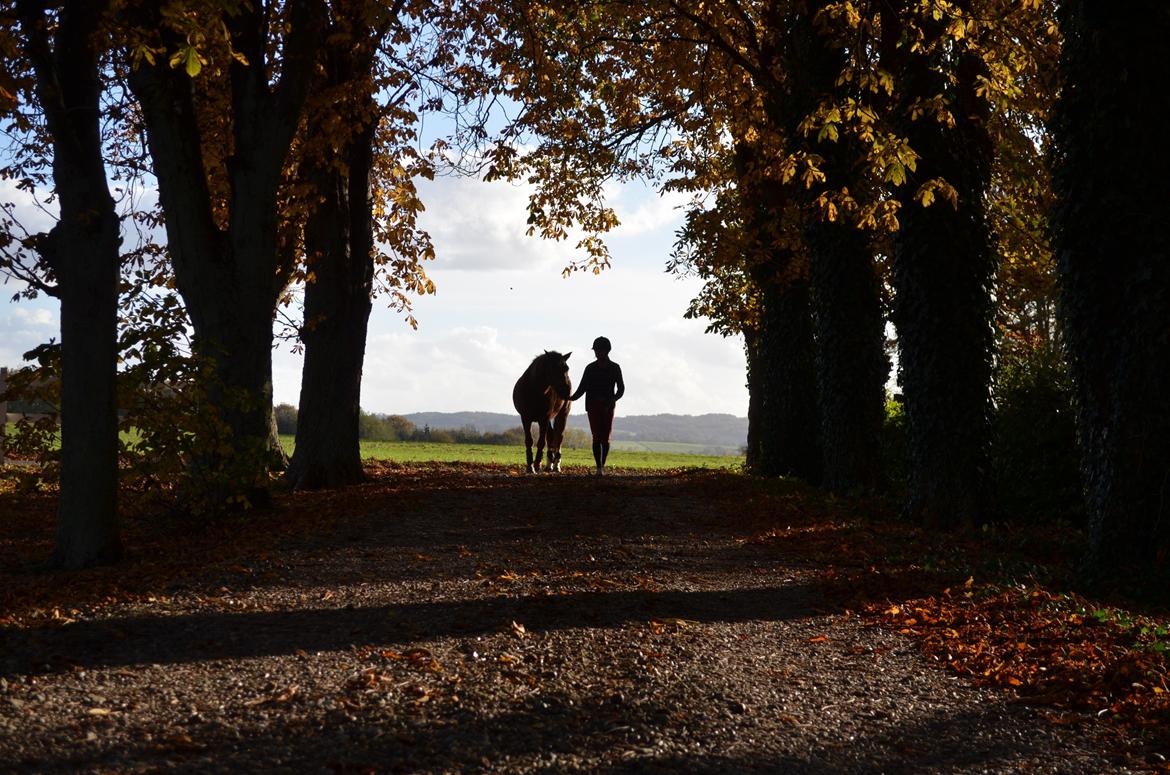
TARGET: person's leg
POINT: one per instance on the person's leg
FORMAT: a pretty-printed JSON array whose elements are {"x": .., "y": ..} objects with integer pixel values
[
  {"x": 606, "y": 421},
  {"x": 596, "y": 427}
]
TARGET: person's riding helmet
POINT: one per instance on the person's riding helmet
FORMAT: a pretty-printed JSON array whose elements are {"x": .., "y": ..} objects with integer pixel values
[{"x": 601, "y": 345}]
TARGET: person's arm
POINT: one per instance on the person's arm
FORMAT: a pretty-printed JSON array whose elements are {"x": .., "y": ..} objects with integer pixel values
[
  {"x": 621, "y": 385},
  {"x": 584, "y": 383}
]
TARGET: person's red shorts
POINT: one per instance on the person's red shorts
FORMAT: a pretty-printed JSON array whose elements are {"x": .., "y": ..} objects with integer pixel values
[{"x": 600, "y": 419}]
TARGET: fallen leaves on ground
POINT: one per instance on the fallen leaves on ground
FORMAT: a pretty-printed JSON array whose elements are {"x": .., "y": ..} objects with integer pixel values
[{"x": 1046, "y": 645}]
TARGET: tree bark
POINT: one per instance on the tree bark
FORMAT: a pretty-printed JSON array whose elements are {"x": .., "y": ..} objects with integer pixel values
[
  {"x": 339, "y": 241},
  {"x": 751, "y": 460},
  {"x": 851, "y": 364},
  {"x": 788, "y": 439},
  {"x": 943, "y": 265},
  {"x": 1113, "y": 261},
  {"x": 231, "y": 277},
  {"x": 83, "y": 251},
  {"x": 849, "y": 328}
]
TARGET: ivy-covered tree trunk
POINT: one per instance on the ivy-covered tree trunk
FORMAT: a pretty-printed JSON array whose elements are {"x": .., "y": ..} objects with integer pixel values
[
  {"x": 1112, "y": 246},
  {"x": 782, "y": 371},
  {"x": 339, "y": 242},
  {"x": 231, "y": 273},
  {"x": 851, "y": 364},
  {"x": 83, "y": 252},
  {"x": 787, "y": 435},
  {"x": 943, "y": 265}
]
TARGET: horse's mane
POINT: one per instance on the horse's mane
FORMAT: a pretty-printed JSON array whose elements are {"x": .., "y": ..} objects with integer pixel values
[{"x": 546, "y": 355}]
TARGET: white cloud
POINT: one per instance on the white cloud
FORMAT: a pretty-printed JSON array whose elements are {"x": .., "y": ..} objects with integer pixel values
[
  {"x": 642, "y": 210},
  {"x": 24, "y": 325},
  {"x": 481, "y": 226},
  {"x": 37, "y": 317},
  {"x": 501, "y": 301},
  {"x": 479, "y": 334}
]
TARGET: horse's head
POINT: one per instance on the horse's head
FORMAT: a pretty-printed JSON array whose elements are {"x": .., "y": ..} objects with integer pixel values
[{"x": 554, "y": 372}]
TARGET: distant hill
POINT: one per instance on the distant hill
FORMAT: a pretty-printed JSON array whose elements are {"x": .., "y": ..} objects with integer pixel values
[{"x": 713, "y": 430}]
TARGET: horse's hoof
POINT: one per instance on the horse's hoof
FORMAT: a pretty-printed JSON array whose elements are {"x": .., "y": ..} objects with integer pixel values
[{"x": 531, "y": 470}]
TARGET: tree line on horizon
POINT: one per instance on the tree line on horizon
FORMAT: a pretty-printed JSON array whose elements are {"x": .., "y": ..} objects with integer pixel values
[
  {"x": 392, "y": 427},
  {"x": 981, "y": 177}
]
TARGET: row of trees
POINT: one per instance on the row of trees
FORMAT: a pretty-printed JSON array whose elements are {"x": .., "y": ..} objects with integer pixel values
[
  {"x": 392, "y": 427},
  {"x": 972, "y": 174},
  {"x": 855, "y": 165}
]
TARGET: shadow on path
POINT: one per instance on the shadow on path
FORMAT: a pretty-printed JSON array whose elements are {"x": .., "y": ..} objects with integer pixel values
[{"x": 223, "y": 635}]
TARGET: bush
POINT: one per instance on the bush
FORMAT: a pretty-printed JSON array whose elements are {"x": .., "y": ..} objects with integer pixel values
[
  {"x": 286, "y": 419},
  {"x": 1035, "y": 459},
  {"x": 894, "y": 463},
  {"x": 383, "y": 427}
]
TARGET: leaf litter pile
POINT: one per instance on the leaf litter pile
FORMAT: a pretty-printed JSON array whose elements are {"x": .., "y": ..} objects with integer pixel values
[{"x": 462, "y": 618}]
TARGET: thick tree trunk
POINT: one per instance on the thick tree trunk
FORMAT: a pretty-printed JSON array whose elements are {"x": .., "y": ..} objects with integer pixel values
[
  {"x": 851, "y": 364},
  {"x": 788, "y": 439},
  {"x": 1113, "y": 259},
  {"x": 230, "y": 278},
  {"x": 87, "y": 275},
  {"x": 339, "y": 242},
  {"x": 83, "y": 250},
  {"x": 942, "y": 272},
  {"x": 782, "y": 372}
]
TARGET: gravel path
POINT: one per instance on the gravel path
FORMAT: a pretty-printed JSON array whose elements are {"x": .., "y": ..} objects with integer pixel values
[{"x": 484, "y": 621}]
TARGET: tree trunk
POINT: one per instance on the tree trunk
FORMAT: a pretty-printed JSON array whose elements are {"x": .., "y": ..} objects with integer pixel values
[
  {"x": 943, "y": 265},
  {"x": 851, "y": 364},
  {"x": 751, "y": 460},
  {"x": 787, "y": 411},
  {"x": 1113, "y": 261},
  {"x": 82, "y": 250},
  {"x": 230, "y": 278},
  {"x": 87, "y": 274},
  {"x": 783, "y": 370},
  {"x": 339, "y": 242}
]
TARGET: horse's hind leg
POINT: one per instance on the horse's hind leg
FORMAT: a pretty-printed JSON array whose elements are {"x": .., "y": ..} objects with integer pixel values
[{"x": 528, "y": 446}]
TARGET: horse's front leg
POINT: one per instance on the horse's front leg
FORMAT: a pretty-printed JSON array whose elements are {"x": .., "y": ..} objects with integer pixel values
[
  {"x": 528, "y": 446},
  {"x": 544, "y": 426},
  {"x": 556, "y": 438}
]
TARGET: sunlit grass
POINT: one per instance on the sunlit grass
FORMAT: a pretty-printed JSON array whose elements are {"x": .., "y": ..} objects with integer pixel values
[{"x": 425, "y": 451}]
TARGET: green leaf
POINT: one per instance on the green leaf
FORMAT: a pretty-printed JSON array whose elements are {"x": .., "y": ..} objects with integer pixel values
[
  {"x": 896, "y": 174},
  {"x": 193, "y": 63}
]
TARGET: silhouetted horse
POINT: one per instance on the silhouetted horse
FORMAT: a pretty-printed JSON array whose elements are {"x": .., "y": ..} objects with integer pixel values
[{"x": 541, "y": 396}]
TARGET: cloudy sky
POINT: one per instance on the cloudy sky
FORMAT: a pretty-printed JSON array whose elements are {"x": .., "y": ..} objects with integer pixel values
[{"x": 501, "y": 301}]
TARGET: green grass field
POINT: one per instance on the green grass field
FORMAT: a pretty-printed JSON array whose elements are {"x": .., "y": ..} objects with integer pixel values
[
  {"x": 674, "y": 447},
  {"x": 622, "y": 455},
  {"x": 422, "y": 451}
]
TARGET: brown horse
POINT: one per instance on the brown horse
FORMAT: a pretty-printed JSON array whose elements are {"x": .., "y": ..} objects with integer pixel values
[{"x": 541, "y": 396}]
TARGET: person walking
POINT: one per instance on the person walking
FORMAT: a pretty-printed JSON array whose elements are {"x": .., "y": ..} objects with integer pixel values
[{"x": 602, "y": 386}]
